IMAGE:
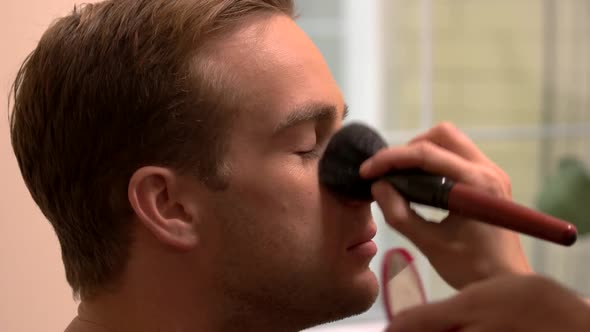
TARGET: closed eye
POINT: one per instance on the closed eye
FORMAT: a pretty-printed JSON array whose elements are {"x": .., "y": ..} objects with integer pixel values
[{"x": 312, "y": 154}]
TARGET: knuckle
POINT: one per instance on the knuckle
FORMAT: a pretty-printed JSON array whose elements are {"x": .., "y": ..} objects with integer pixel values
[
  {"x": 424, "y": 148},
  {"x": 491, "y": 182},
  {"x": 507, "y": 182},
  {"x": 503, "y": 181},
  {"x": 445, "y": 129}
]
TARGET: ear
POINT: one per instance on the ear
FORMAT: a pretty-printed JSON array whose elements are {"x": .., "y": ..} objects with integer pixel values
[{"x": 161, "y": 203}]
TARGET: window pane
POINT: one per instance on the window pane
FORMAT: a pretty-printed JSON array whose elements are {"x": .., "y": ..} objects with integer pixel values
[{"x": 493, "y": 63}]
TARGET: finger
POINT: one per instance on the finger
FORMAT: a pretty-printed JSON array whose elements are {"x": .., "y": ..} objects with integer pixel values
[
  {"x": 432, "y": 317},
  {"x": 399, "y": 215},
  {"x": 446, "y": 135},
  {"x": 424, "y": 155},
  {"x": 434, "y": 159}
]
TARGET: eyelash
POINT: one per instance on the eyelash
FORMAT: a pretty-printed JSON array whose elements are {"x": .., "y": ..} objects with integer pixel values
[
  {"x": 317, "y": 151},
  {"x": 311, "y": 154}
]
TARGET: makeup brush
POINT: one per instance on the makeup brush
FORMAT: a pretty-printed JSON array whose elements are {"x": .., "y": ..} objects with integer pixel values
[{"x": 355, "y": 143}]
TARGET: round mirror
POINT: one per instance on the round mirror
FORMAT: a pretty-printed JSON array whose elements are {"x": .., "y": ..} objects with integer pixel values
[{"x": 402, "y": 287}]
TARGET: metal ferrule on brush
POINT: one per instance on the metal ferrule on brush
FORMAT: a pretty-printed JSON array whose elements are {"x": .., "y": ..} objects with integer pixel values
[{"x": 422, "y": 188}]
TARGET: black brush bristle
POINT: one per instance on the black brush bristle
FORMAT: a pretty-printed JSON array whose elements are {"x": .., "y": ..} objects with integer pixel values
[{"x": 346, "y": 151}]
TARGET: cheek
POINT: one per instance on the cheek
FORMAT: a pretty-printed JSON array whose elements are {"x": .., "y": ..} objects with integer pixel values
[
  {"x": 283, "y": 189},
  {"x": 285, "y": 202},
  {"x": 272, "y": 224}
]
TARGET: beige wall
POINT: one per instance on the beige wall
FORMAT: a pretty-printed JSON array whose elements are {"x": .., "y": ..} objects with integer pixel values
[{"x": 33, "y": 293}]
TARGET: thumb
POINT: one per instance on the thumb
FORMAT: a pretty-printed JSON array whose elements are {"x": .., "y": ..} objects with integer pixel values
[
  {"x": 399, "y": 215},
  {"x": 433, "y": 317}
]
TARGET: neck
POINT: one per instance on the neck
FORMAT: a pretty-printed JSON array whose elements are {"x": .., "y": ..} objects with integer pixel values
[
  {"x": 165, "y": 293},
  {"x": 116, "y": 313},
  {"x": 149, "y": 305}
]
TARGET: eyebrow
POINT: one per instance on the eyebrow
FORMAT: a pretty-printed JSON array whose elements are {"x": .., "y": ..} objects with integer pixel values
[{"x": 309, "y": 112}]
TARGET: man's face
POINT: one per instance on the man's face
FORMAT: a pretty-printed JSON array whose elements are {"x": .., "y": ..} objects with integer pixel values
[{"x": 276, "y": 238}]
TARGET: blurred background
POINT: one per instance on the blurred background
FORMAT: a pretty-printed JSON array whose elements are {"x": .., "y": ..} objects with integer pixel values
[{"x": 514, "y": 75}]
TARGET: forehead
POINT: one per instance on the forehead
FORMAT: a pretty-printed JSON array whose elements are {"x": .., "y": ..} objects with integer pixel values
[{"x": 276, "y": 67}]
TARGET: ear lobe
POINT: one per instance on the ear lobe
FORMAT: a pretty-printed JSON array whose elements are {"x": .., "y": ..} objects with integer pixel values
[{"x": 154, "y": 194}]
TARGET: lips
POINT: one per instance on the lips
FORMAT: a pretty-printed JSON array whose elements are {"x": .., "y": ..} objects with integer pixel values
[{"x": 365, "y": 236}]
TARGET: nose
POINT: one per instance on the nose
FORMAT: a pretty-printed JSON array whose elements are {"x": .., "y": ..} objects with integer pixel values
[
  {"x": 346, "y": 200},
  {"x": 355, "y": 203}
]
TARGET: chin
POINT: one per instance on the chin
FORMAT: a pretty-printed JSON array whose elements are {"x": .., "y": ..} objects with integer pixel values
[
  {"x": 342, "y": 298},
  {"x": 356, "y": 297},
  {"x": 364, "y": 291}
]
